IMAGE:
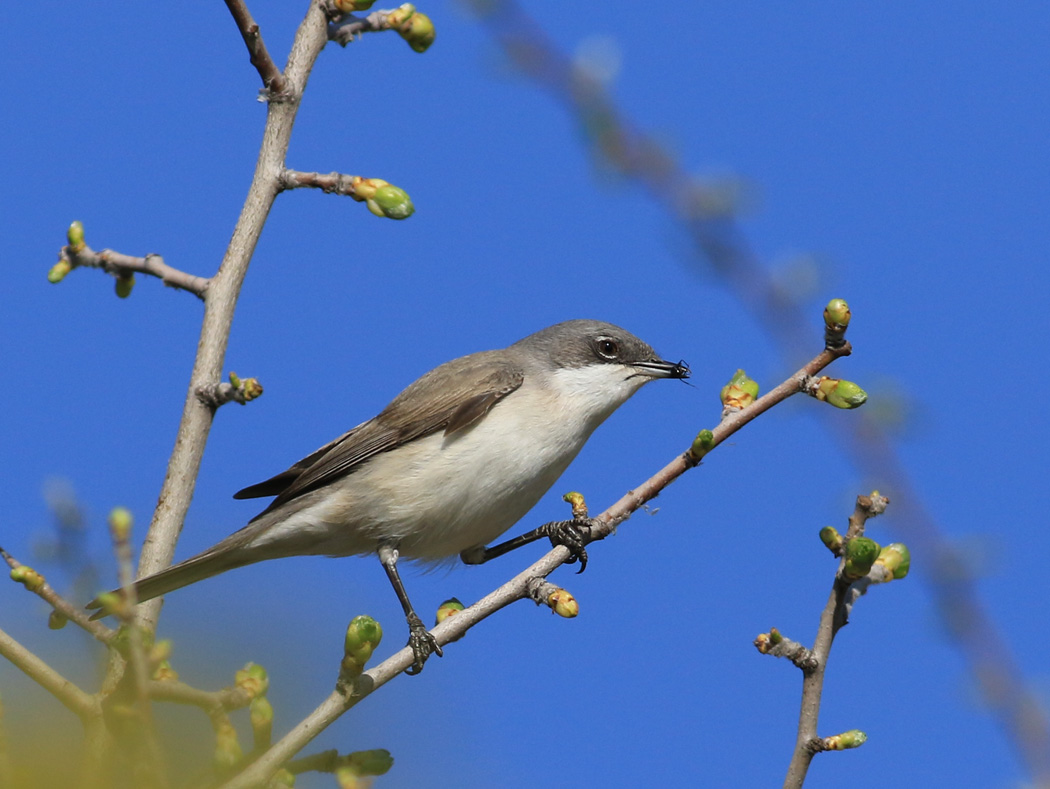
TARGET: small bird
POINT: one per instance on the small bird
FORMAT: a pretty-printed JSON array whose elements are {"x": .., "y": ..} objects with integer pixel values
[{"x": 454, "y": 461}]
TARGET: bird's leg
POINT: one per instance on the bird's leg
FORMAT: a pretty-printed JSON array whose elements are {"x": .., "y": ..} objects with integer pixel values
[
  {"x": 574, "y": 535},
  {"x": 420, "y": 639}
]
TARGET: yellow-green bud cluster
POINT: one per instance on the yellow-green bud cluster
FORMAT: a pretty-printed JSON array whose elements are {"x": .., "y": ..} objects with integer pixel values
[
  {"x": 363, "y": 635},
  {"x": 740, "y": 392},
  {"x": 831, "y": 538},
  {"x": 28, "y": 577},
  {"x": 228, "y": 751},
  {"x": 382, "y": 198},
  {"x": 125, "y": 282},
  {"x": 703, "y": 443},
  {"x": 896, "y": 558},
  {"x": 58, "y": 271},
  {"x": 75, "y": 236},
  {"x": 563, "y": 604},
  {"x": 56, "y": 620},
  {"x": 840, "y": 393},
  {"x": 861, "y": 553},
  {"x": 260, "y": 713},
  {"x": 415, "y": 27},
  {"x": 450, "y": 607},
  {"x": 837, "y": 315},
  {"x": 579, "y": 504},
  {"x": 253, "y": 680},
  {"x": 120, "y": 523},
  {"x": 377, "y": 761},
  {"x": 854, "y": 738}
]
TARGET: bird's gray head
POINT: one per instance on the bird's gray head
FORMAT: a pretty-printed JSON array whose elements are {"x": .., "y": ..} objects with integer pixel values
[{"x": 587, "y": 343}]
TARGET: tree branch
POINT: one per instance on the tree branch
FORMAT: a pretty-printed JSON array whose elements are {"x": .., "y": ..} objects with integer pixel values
[
  {"x": 184, "y": 464},
  {"x": 119, "y": 264},
  {"x": 82, "y": 704},
  {"x": 274, "y": 83}
]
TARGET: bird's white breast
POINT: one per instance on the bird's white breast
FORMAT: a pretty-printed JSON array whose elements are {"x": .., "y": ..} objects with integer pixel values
[{"x": 439, "y": 495}]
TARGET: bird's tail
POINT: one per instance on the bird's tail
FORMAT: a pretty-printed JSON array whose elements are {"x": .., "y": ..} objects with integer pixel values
[{"x": 197, "y": 568}]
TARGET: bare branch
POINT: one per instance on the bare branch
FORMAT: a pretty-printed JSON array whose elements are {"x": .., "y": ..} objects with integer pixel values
[
  {"x": 73, "y": 698},
  {"x": 119, "y": 264},
  {"x": 184, "y": 464},
  {"x": 332, "y": 183},
  {"x": 274, "y": 83}
]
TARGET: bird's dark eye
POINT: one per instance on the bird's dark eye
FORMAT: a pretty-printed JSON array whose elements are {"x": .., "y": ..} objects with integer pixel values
[{"x": 607, "y": 348}]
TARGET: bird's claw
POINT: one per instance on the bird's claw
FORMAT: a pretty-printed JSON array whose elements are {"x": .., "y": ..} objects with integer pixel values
[
  {"x": 571, "y": 534},
  {"x": 422, "y": 642}
]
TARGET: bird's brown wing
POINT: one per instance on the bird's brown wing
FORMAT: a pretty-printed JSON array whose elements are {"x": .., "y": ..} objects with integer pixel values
[{"x": 453, "y": 398}]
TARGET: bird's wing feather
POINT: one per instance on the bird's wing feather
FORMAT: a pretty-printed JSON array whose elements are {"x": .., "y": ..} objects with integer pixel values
[{"x": 459, "y": 396}]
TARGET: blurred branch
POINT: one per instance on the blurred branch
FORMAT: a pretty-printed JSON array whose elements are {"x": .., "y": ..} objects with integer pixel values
[
  {"x": 73, "y": 698},
  {"x": 65, "y": 609},
  {"x": 720, "y": 243},
  {"x": 521, "y": 587}
]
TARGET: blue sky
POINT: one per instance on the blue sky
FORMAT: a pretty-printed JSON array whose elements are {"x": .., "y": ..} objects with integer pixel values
[{"x": 900, "y": 148}]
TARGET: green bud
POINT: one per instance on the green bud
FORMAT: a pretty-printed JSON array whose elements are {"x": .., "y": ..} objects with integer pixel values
[
  {"x": 75, "y": 236},
  {"x": 861, "y": 553},
  {"x": 227, "y": 748},
  {"x": 110, "y": 603},
  {"x": 58, "y": 271},
  {"x": 896, "y": 558},
  {"x": 284, "y": 777},
  {"x": 252, "y": 679},
  {"x": 56, "y": 620},
  {"x": 363, "y": 635},
  {"x": 703, "y": 443},
  {"x": 28, "y": 577},
  {"x": 839, "y": 393},
  {"x": 418, "y": 31},
  {"x": 563, "y": 604},
  {"x": 346, "y": 777},
  {"x": 854, "y": 738},
  {"x": 364, "y": 188},
  {"x": 400, "y": 15},
  {"x": 578, "y": 502},
  {"x": 837, "y": 314},
  {"x": 450, "y": 607},
  {"x": 161, "y": 650},
  {"x": 120, "y": 521},
  {"x": 261, "y": 716},
  {"x": 125, "y": 282},
  {"x": 374, "y": 762},
  {"x": 831, "y": 538},
  {"x": 774, "y": 636},
  {"x": 250, "y": 388},
  {"x": 234, "y": 379},
  {"x": 740, "y": 392},
  {"x": 391, "y": 202}
]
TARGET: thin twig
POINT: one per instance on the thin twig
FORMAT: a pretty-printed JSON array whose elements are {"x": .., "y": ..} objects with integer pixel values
[
  {"x": 348, "y": 27},
  {"x": 274, "y": 82},
  {"x": 117, "y": 264},
  {"x": 332, "y": 183},
  {"x": 834, "y": 616}
]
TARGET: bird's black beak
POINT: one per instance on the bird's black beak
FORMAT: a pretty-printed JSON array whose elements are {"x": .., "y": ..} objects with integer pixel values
[{"x": 658, "y": 368}]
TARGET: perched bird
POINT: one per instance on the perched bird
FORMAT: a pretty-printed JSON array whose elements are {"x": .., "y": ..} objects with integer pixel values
[{"x": 453, "y": 462}]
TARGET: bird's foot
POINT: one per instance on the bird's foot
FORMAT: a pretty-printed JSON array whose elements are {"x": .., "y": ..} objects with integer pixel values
[
  {"x": 422, "y": 642},
  {"x": 574, "y": 535}
]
